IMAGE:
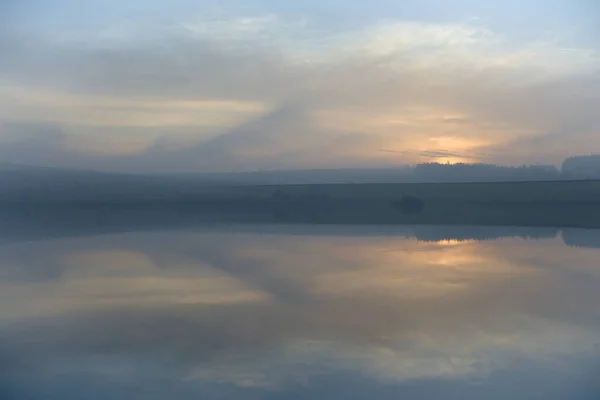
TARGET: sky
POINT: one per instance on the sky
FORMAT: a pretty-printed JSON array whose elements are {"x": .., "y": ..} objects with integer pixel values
[{"x": 232, "y": 85}]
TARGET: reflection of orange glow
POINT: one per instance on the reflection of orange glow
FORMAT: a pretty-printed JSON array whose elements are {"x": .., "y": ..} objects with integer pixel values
[
  {"x": 452, "y": 242},
  {"x": 407, "y": 267}
]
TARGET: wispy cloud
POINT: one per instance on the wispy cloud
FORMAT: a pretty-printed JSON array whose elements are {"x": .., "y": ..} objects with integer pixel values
[{"x": 391, "y": 84}]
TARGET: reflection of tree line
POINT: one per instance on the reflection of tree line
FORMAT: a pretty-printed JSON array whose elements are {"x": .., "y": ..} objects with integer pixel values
[
  {"x": 40, "y": 222},
  {"x": 589, "y": 238},
  {"x": 428, "y": 233},
  {"x": 585, "y": 238}
]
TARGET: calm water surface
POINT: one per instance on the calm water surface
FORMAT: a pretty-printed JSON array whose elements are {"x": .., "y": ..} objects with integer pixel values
[{"x": 303, "y": 312}]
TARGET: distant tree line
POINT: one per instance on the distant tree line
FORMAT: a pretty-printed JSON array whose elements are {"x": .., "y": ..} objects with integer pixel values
[
  {"x": 577, "y": 167},
  {"x": 462, "y": 172},
  {"x": 582, "y": 167}
]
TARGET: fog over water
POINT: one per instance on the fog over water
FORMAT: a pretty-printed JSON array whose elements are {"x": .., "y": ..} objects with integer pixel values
[{"x": 306, "y": 311}]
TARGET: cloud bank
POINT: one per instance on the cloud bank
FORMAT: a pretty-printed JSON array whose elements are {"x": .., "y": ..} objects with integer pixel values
[{"x": 231, "y": 92}]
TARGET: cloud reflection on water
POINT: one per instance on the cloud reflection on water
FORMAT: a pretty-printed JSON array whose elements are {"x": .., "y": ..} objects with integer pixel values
[{"x": 269, "y": 311}]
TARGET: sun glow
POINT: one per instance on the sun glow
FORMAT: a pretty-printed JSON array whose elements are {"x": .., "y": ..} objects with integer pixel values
[{"x": 450, "y": 160}]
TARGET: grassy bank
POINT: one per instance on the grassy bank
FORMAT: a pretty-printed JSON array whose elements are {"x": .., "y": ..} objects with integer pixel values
[{"x": 493, "y": 192}]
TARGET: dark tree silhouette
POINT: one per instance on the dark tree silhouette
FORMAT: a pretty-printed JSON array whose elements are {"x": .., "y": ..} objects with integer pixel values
[{"x": 435, "y": 172}]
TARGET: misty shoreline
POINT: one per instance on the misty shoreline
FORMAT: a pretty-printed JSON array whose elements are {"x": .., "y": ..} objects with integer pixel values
[
  {"x": 22, "y": 222},
  {"x": 62, "y": 222},
  {"x": 28, "y": 208}
]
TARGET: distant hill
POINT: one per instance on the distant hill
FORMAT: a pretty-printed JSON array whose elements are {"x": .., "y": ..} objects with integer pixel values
[
  {"x": 306, "y": 176},
  {"x": 23, "y": 183},
  {"x": 26, "y": 183}
]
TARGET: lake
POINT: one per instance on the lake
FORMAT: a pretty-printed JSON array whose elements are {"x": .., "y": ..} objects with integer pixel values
[{"x": 302, "y": 312}]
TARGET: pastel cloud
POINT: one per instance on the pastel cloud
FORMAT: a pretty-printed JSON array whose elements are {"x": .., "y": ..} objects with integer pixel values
[{"x": 379, "y": 94}]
